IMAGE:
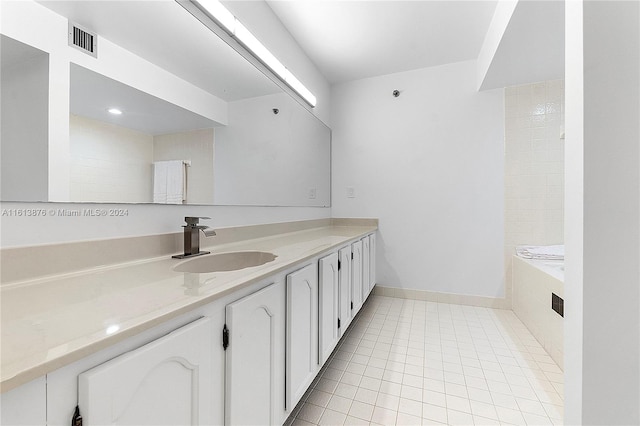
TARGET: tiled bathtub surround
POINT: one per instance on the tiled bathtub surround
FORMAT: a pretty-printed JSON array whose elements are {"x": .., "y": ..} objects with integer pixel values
[
  {"x": 410, "y": 362},
  {"x": 534, "y": 167},
  {"x": 533, "y": 287}
]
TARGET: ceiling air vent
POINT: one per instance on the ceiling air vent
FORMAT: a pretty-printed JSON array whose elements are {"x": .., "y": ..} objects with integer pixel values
[{"x": 83, "y": 40}]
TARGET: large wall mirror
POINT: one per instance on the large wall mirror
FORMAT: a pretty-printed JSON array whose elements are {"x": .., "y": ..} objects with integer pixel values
[{"x": 167, "y": 113}]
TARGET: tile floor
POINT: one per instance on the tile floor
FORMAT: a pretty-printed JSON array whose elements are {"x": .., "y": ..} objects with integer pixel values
[{"x": 411, "y": 362}]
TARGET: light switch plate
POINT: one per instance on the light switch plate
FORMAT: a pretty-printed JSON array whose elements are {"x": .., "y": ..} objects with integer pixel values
[{"x": 351, "y": 192}]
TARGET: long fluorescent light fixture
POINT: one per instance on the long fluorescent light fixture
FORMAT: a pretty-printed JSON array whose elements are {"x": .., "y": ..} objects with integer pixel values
[{"x": 225, "y": 19}]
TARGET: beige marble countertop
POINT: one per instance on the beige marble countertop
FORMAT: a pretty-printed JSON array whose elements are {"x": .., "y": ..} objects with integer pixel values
[{"x": 53, "y": 321}]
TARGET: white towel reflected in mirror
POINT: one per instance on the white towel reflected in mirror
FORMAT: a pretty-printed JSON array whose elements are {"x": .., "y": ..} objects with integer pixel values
[{"x": 169, "y": 182}]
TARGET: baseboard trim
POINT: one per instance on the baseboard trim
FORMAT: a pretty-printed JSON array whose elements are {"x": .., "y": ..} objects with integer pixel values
[{"x": 434, "y": 296}]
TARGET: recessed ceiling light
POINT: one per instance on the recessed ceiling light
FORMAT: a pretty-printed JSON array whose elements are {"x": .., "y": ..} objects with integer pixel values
[{"x": 114, "y": 111}]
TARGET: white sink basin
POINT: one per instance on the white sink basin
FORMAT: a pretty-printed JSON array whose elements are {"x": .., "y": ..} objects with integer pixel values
[{"x": 225, "y": 261}]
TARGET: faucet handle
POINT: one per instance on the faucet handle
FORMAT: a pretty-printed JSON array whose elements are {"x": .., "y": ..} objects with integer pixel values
[{"x": 193, "y": 220}]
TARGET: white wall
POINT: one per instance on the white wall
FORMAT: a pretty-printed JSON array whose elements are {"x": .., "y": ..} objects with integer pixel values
[
  {"x": 109, "y": 163},
  {"x": 602, "y": 238},
  {"x": 428, "y": 164},
  {"x": 25, "y": 94},
  {"x": 38, "y": 26}
]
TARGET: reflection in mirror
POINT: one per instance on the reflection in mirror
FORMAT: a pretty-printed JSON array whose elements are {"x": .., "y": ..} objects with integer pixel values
[
  {"x": 272, "y": 150},
  {"x": 197, "y": 123},
  {"x": 148, "y": 151},
  {"x": 24, "y": 129}
]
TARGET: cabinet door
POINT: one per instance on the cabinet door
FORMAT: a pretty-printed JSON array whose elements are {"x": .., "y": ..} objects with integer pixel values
[
  {"x": 167, "y": 381},
  {"x": 346, "y": 293},
  {"x": 356, "y": 276},
  {"x": 255, "y": 324},
  {"x": 365, "y": 268},
  {"x": 302, "y": 332},
  {"x": 25, "y": 405},
  {"x": 372, "y": 262},
  {"x": 328, "y": 307}
]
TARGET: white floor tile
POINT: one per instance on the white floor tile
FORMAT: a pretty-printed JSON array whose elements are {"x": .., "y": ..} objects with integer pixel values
[
  {"x": 404, "y": 419},
  {"x": 459, "y": 418},
  {"x": 434, "y": 412},
  {"x": 483, "y": 410},
  {"x": 370, "y": 383},
  {"x": 507, "y": 415},
  {"x": 300, "y": 422},
  {"x": 366, "y": 395},
  {"x": 458, "y": 404},
  {"x": 320, "y": 398},
  {"x": 361, "y": 410},
  {"x": 354, "y": 421},
  {"x": 535, "y": 420},
  {"x": 409, "y": 406},
  {"x": 377, "y": 362},
  {"x": 389, "y": 402},
  {"x": 456, "y": 390},
  {"x": 345, "y": 390},
  {"x": 310, "y": 413},
  {"x": 407, "y": 362},
  {"x": 330, "y": 418},
  {"x": 410, "y": 380},
  {"x": 339, "y": 404},
  {"x": 391, "y": 388},
  {"x": 414, "y": 370},
  {"x": 411, "y": 392},
  {"x": 374, "y": 372},
  {"x": 356, "y": 368},
  {"x": 384, "y": 416},
  {"x": 434, "y": 385},
  {"x": 327, "y": 385},
  {"x": 351, "y": 379}
]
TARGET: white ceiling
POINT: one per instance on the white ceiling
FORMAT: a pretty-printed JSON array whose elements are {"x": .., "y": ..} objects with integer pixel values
[
  {"x": 349, "y": 40},
  {"x": 531, "y": 48},
  {"x": 346, "y": 39}
]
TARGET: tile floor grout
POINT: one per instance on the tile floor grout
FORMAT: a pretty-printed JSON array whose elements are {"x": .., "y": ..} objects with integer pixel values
[{"x": 411, "y": 362}]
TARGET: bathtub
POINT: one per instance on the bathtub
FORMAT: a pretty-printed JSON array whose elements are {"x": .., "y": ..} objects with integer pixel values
[{"x": 534, "y": 283}]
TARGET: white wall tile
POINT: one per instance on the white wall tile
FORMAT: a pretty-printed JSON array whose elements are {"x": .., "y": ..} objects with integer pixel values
[{"x": 534, "y": 166}]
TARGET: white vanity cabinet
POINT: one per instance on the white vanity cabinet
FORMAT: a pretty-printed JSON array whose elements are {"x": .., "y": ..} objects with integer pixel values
[
  {"x": 25, "y": 405},
  {"x": 329, "y": 303},
  {"x": 168, "y": 381},
  {"x": 245, "y": 358},
  {"x": 356, "y": 276},
  {"x": 346, "y": 291},
  {"x": 365, "y": 268},
  {"x": 255, "y": 357},
  {"x": 368, "y": 265},
  {"x": 302, "y": 332},
  {"x": 372, "y": 262}
]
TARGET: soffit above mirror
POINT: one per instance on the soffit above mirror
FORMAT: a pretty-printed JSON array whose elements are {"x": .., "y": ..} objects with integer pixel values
[{"x": 165, "y": 34}]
